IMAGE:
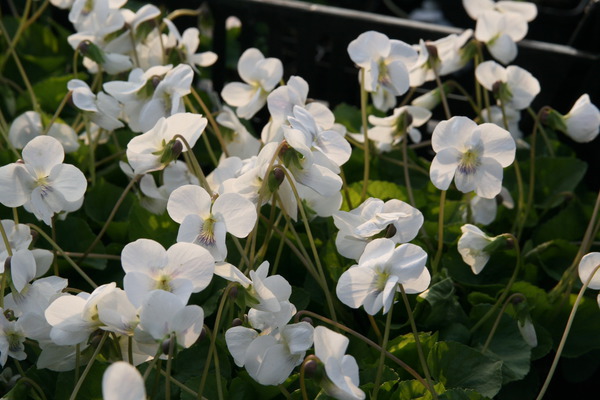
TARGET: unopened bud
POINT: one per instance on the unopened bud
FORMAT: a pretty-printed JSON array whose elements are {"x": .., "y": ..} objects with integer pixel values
[
  {"x": 176, "y": 149},
  {"x": 433, "y": 51},
  {"x": 202, "y": 334},
  {"x": 310, "y": 368},
  {"x": 307, "y": 319},
  {"x": 510, "y": 242},
  {"x": 276, "y": 178},
  {"x": 91, "y": 51},
  {"x": 84, "y": 47},
  {"x": 155, "y": 81},
  {"x": 517, "y": 299},
  {"x": 233, "y": 292},
  {"x": 236, "y": 322},
  {"x": 499, "y": 199},
  {"x": 9, "y": 314},
  {"x": 7, "y": 264},
  {"x": 96, "y": 337}
]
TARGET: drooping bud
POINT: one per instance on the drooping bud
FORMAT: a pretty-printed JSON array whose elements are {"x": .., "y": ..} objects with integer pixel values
[
  {"x": 498, "y": 243},
  {"x": 7, "y": 263},
  {"x": 307, "y": 319},
  {"x": 233, "y": 292},
  {"x": 553, "y": 119},
  {"x": 91, "y": 51},
  {"x": 275, "y": 178},
  {"x": 310, "y": 368},
  {"x": 501, "y": 91},
  {"x": 177, "y": 149},
  {"x": 236, "y": 322}
]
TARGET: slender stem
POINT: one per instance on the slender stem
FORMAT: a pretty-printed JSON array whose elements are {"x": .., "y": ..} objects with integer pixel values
[
  {"x": 402, "y": 164},
  {"x": 130, "y": 349},
  {"x": 54, "y": 258},
  {"x": 195, "y": 165},
  {"x": 284, "y": 392},
  {"x": 420, "y": 352},
  {"x": 438, "y": 254},
  {"x": 94, "y": 255},
  {"x": 442, "y": 94},
  {"x": 375, "y": 327},
  {"x": 169, "y": 365},
  {"x": 365, "y": 339},
  {"x": 531, "y": 191},
  {"x": 77, "y": 361},
  {"x": 508, "y": 285},
  {"x": 411, "y": 197},
  {"x": 61, "y": 106},
  {"x": 563, "y": 340},
  {"x": 311, "y": 357},
  {"x": 213, "y": 338},
  {"x": 179, "y": 384},
  {"x": 211, "y": 121},
  {"x": 88, "y": 367},
  {"x": 182, "y": 12},
  {"x": 384, "y": 342},
  {"x": 31, "y": 382},
  {"x": 22, "y": 25},
  {"x": 63, "y": 254},
  {"x": 111, "y": 216},
  {"x": 365, "y": 128},
  {"x": 155, "y": 359},
  {"x": 37, "y": 14},
  {"x": 345, "y": 189},
  {"x": 5, "y": 239},
  {"x": 508, "y": 301},
  {"x": 313, "y": 247},
  {"x": 217, "y": 373},
  {"x": 458, "y": 86},
  {"x": 547, "y": 141},
  {"x": 280, "y": 247}
]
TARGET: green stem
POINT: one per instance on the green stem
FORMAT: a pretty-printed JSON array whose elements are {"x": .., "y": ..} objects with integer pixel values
[
  {"x": 313, "y": 247},
  {"x": 209, "y": 149},
  {"x": 508, "y": 285},
  {"x": 365, "y": 128},
  {"x": 563, "y": 340},
  {"x": 61, "y": 106},
  {"x": 211, "y": 121},
  {"x": 384, "y": 342},
  {"x": 195, "y": 165},
  {"x": 366, "y": 340},
  {"x": 420, "y": 352},
  {"x": 508, "y": 301},
  {"x": 438, "y": 254},
  {"x": 63, "y": 254},
  {"x": 411, "y": 198},
  {"x": 462, "y": 90},
  {"x": 213, "y": 338},
  {"x": 155, "y": 359},
  {"x": 130, "y": 349},
  {"x": 442, "y": 94},
  {"x": 88, "y": 367},
  {"x": 111, "y": 216},
  {"x": 22, "y": 25},
  {"x": 531, "y": 191},
  {"x": 169, "y": 365},
  {"x": 311, "y": 357}
]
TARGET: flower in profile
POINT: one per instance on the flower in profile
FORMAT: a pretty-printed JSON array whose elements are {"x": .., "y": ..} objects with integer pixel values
[
  {"x": 512, "y": 86},
  {"x": 500, "y": 32},
  {"x": 473, "y": 245},
  {"x": 205, "y": 223},
  {"x": 260, "y": 75},
  {"x": 187, "y": 44},
  {"x": 389, "y": 131},
  {"x": 342, "y": 370},
  {"x": 385, "y": 64},
  {"x": 42, "y": 183},
  {"x": 101, "y": 108},
  {"x": 373, "y": 282},
  {"x": 483, "y": 211},
  {"x": 358, "y": 227},
  {"x": 158, "y": 147},
  {"x": 519, "y": 9},
  {"x": 238, "y": 141},
  {"x": 122, "y": 381},
  {"x": 581, "y": 123},
  {"x": 588, "y": 271},
  {"x": 472, "y": 154}
]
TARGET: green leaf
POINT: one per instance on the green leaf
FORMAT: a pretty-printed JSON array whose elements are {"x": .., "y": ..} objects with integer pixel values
[
  {"x": 405, "y": 348},
  {"x": 349, "y": 116},
  {"x": 49, "y": 92},
  {"x": 99, "y": 203},
  {"x": 75, "y": 235},
  {"x": 439, "y": 306},
  {"x": 414, "y": 390},
  {"x": 555, "y": 176},
  {"x": 568, "y": 224},
  {"x": 477, "y": 371},
  {"x": 462, "y": 394},
  {"x": 90, "y": 390},
  {"x": 507, "y": 345},
  {"x": 144, "y": 224}
]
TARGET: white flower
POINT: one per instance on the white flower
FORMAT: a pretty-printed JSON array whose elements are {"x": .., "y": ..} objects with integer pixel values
[
  {"x": 269, "y": 358},
  {"x": 444, "y": 55},
  {"x": 385, "y": 63},
  {"x": 74, "y": 318},
  {"x": 500, "y": 32},
  {"x": 260, "y": 75},
  {"x": 163, "y": 313},
  {"x": 122, "y": 381},
  {"x": 205, "y": 222},
  {"x": 583, "y": 121},
  {"x": 42, "y": 182},
  {"x": 513, "y": 117},
  {"x": 153, "y": 150},
  {"x": 29, "y": 125},
  {"x": 239, "y": 142},
  {"x": 587, "y": 267},
  {"x": 471, "y": 247},
  {"x": 25, "y": 264},
  {"x": 519, "y": 9},
  {"x": 183, "y": 269},
  {"x": 483, "y": 211},
  {"x": 102, "y": 108},
  {"x": 341, "y": 369},
  {"x": 12, "y": 338},
  {"x": 389, "y": 131},
  {"x": 472, "y": 154},
  {"x": 359, "y": 226},
  {"x": 513, "y": 86},
  {"x": 188, "y": 43},
  {"x": 382, "y": 267}
]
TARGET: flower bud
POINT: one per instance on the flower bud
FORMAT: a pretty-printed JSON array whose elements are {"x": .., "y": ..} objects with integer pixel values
[
  {"x": 236, "y": 322},
  {"x": 91, "y": 51},
  {"x": 9, "y": 315},
  {"x": 275, "y": 178},
  {"x": 310, "y": 368},
  {"x": 7, "y": 264},
  {"x": 390, "y": 231},
  {"x": 307, "y": 319},
  {"x": 165, "y": 346},
  {"x": 202, "y": 334},
  {"x": 233, "y": 292}
]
